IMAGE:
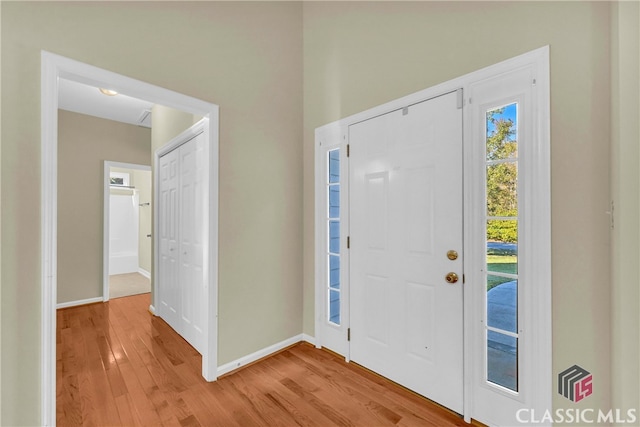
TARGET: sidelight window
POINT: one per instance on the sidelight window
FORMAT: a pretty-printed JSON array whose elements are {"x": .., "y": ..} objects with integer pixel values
[
  {"x": 333, "y": 238},
  {"x": 502, "y": 246}
]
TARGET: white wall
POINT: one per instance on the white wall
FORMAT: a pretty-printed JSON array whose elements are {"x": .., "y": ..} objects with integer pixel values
[
  {"x": 123, "y": 232},
  {"x": 142, "y": 181}
]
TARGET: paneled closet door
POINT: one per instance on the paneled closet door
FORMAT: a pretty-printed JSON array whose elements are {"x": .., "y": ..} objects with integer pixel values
[
  {"x": 191, "y": 229},
  {"x": 168, "y": 282},
  {"x": 182, "y": 232}
]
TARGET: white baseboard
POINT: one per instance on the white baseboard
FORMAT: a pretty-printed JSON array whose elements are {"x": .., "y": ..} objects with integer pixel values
[
  {"x": 145, "y": 273},
  {"x": 228, "y": 367},
  {"x": 308, "y": 338},
  {"x": 79, "y": 302},
  {"x": 152, "y": 309}
]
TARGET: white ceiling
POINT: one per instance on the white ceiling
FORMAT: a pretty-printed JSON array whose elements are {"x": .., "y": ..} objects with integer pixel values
[{"x": 85, "y": 99}]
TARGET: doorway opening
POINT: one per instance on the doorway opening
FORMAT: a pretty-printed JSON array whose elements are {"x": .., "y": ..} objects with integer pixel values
[
  {"x": 55, "y": 68},
  {"x": 127, "y": 237}
]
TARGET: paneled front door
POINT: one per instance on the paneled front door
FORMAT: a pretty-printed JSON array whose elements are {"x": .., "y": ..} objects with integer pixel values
[{"x": 406, "y": 247}]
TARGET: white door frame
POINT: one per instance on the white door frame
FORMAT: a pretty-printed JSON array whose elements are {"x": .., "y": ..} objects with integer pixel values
[
  {"x": 106, "y": 217},
  {"x": 54, "y": 67},
  {"x": 335, "y": 135}
]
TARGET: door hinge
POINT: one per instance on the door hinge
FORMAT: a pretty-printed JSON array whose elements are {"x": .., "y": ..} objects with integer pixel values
[
  {"x": 348, "y": 242},
  {"x": 460, "y": 99},
  {"x": 348, "y": 150},
  {"x": 610, "y": 213},
  {"x": 348, "y": 334}
]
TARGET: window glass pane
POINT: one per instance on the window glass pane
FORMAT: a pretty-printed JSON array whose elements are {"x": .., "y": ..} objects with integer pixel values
[
  {"x": 334, "y": 271},
  {"x": 502, "y": 245},
  {"x": 502, "y": 195},
  {"x": 334, "y": 166},
  {"x": 502, "y": 129},
  {"x": 502, "y": 257},
  {"x": 502, "y": 360},
  {"x": 334, "y": 237},
  {"x": 334, "y": 307},
  {"x": 502, "y": 303},
  {"x": 501, "y": 233},
  {"x": 334, "y": 201}
]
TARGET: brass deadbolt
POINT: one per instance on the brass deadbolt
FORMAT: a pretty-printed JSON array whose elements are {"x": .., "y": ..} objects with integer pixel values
[{"x": 452, "y": 255}]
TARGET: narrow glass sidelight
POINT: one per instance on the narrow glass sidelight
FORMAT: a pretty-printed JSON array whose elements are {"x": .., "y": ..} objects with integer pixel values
[
  {"x": 502, "y": 247},
  {"x": 332, "y": 288}
]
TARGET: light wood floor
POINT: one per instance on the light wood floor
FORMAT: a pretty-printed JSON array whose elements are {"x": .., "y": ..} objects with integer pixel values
[{"x": 119, "y": 365}]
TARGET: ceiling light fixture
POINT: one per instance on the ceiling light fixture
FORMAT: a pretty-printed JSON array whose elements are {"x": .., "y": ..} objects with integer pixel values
[{"x": 108, "y": 92}]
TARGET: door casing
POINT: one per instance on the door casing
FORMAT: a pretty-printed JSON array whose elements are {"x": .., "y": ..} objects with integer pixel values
[{"x": 335, "y": 135}]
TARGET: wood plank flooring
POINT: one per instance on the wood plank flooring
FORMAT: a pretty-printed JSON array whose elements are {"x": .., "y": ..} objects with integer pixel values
[{"x": 117, "y": 365}]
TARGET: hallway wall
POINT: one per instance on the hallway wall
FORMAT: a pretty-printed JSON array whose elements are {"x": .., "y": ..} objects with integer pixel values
[{"x": 84, "y": 143}]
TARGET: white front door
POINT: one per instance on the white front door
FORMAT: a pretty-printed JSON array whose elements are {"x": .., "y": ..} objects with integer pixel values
[{"x": 405, "y": 216}]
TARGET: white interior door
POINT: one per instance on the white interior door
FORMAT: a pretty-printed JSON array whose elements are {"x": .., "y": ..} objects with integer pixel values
[
  {"x": 181, "y": 218},
  {"x": 191, "y": 241},
  {"x": 405, "y": 215},
  {"x": 168, "y": 220}
]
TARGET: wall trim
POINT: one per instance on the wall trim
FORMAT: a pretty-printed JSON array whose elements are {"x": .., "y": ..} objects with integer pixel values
[
  {"x": 78, "y": 302},
  {"x": 145, "y": 273},
  {"x": 308, "y": 338},
  {"x": 260, "y": 354}
]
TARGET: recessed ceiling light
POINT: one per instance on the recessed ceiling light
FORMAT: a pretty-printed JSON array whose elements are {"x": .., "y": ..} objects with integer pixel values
[{"x": 108, "y": 92}]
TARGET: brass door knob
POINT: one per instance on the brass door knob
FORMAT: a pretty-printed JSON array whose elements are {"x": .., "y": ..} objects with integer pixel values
[
  {"x": 451, "y": 278},
  {"x": 452, "y": 255}
]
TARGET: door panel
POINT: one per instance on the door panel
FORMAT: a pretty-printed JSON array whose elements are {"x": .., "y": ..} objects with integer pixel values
[
  {"x": 182, "y": 232},
  {"x": 405, "y": 214},
  {"x": 191, "y": 241},
  {"x": 169, "y": 258}
]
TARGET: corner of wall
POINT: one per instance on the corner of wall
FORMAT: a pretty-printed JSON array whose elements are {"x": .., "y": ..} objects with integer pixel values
[
  {"x": 0, "y": 231},
  {"x": 625, "y": 182}
]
